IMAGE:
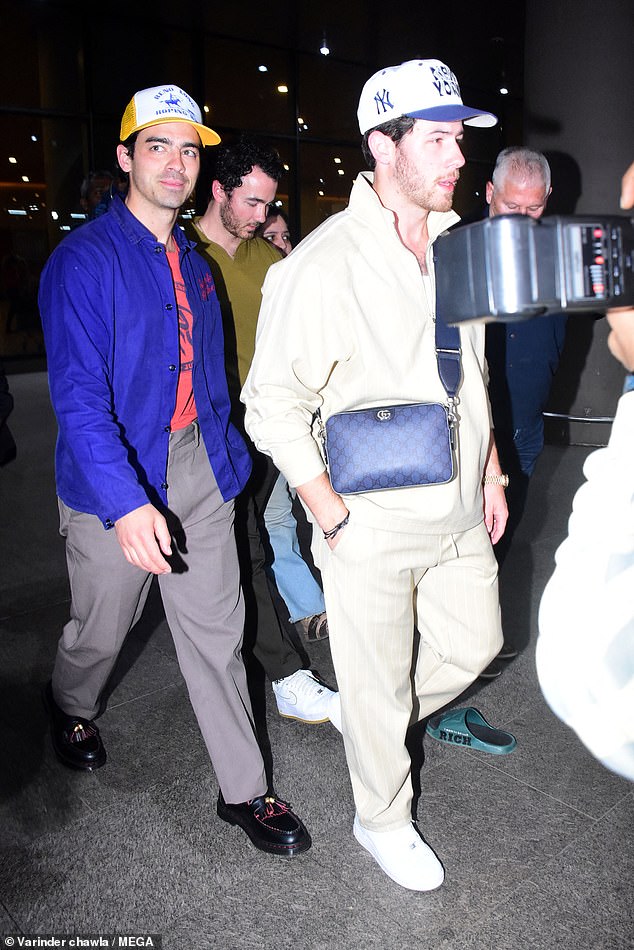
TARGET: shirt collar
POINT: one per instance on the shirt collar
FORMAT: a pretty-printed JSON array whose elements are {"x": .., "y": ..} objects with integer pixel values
[
  {"x": 136, "y": 232},
  {"x": 364, "y": 199},
  {"x": 207, "y": 242}
]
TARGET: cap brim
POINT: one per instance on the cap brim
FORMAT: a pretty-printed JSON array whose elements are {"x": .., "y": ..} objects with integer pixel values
[
  {"x": 207, "y": 135},
  {"x": 456, "y": 113}
]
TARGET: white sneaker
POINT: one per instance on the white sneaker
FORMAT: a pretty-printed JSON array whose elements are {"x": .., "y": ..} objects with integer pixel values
[
  {"x": 301, "y": 696},
  {"x": 403, "y": 855}
]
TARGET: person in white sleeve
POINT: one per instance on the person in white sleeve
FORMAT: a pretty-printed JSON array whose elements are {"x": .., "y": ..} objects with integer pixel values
[{"x": 585, "y": 650}]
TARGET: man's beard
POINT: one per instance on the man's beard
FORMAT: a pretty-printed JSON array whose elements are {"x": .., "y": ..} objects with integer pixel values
[
  {"x": 231, "y": 224},
  {"x": 423, "y": 195}
]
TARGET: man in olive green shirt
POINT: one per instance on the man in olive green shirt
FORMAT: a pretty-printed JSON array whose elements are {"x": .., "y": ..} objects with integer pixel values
[{"x": 244, "y": 184}]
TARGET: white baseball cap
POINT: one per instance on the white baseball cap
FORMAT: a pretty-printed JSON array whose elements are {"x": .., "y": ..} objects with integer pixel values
[
  {"x": 164, "y": 104},
  {"x": 421, "y": 89}
]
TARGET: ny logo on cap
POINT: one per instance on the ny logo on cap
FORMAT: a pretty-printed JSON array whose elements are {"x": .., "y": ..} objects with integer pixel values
[{"x": 382, "y": 100}]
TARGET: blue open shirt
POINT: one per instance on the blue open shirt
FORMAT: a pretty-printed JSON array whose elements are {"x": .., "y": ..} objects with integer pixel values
[{"x": 112, "y": 339}]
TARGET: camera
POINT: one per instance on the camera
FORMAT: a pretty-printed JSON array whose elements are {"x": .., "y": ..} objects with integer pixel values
[{"x": 512, "y": 267}]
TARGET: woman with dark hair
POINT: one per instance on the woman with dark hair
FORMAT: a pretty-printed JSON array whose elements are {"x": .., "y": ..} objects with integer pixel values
[{"x": 275, "y": 229}]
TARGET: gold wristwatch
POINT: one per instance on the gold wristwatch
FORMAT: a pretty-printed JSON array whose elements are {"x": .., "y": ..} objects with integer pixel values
[{"x": 502, "y": 480}]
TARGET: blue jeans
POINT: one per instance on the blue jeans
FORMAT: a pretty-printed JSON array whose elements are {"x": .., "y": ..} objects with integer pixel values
[{"x": 301, "y": 593}]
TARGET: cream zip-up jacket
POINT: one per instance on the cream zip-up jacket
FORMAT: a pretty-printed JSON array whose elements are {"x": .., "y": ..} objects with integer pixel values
[{"x": 347, "y": 322}]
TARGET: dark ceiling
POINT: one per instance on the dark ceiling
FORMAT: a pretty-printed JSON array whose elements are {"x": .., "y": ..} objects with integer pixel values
[{"x": 477, "y": 39}]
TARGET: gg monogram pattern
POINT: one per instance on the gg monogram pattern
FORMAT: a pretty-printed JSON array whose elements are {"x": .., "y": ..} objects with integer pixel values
[{"x": 389, "y": 447}]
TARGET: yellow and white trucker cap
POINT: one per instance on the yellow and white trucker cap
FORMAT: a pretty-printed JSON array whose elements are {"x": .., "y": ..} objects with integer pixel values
[{"x": 164, "y": 104}]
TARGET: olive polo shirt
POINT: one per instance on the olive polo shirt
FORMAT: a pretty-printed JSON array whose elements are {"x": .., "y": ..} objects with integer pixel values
[{"x": 238, "y": 281}]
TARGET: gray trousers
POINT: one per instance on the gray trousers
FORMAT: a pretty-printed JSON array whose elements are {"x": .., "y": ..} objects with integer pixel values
[{"x": 203, "y": 605}]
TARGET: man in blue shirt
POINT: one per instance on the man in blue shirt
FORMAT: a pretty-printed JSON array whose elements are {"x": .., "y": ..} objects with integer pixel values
[{"x": 148, "y": 463}]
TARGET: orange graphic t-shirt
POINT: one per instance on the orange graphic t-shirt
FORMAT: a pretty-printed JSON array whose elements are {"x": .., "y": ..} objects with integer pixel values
[{"x": 185, "y": 411}]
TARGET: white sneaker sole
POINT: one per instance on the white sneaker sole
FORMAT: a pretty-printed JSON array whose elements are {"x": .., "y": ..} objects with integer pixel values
[
  {"x": 422, "y": 878},
  {"x": 310, "y": 722}
]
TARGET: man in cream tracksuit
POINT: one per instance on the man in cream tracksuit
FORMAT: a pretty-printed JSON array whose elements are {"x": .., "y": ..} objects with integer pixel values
[{"x": 347, "y": 322}]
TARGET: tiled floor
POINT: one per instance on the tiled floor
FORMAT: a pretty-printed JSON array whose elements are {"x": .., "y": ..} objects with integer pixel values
[{"x": 537, "y": 845}]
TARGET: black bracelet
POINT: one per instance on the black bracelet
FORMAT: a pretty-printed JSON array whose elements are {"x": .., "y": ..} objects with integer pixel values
[{"x": 329, "y": 535}]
